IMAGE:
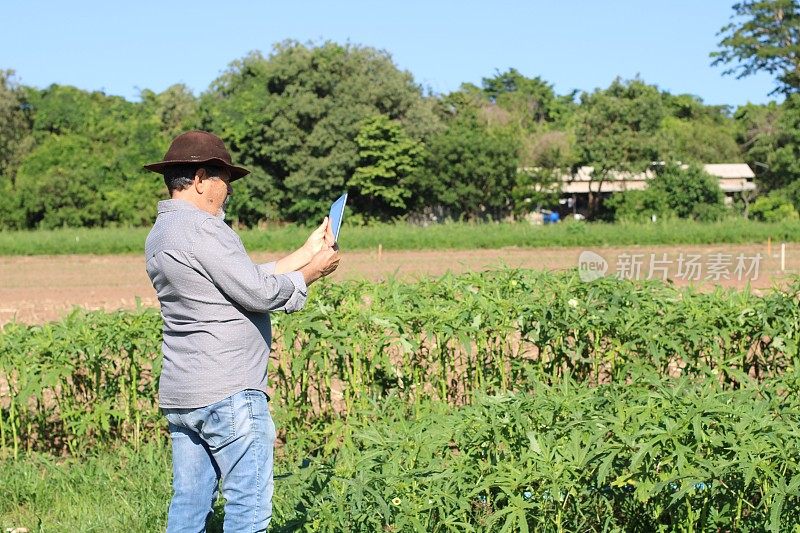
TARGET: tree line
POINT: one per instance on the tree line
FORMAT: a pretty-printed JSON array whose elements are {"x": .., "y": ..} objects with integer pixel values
[{"x": 314, "y": 120}]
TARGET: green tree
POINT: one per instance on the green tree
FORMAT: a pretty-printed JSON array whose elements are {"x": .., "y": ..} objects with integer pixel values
[
  {"x": 293, "y": 118},
  {"x": 85, "y": 166},
  {"x": 640, "y": 206},
  {"x": 531, "y": 101},
  {"x": 388, "y": 163},
  {"x": 791, "y": 193},
  {"x": 535, "y": 188},
  {"x": 763, "y": 36},
  {"x": 471, "y": 170},
  {"x": 58, "y": 183},
  {"x": 176, "y": 108},
  {"x": 770, "y": 135},
  {"x": 618, "y": 130},
  {"x": 15, "y": 123},
  {"x": 690, "y": 191},
  {"x": 694, "y": 132},
  {"x": 533, "y": 117},
  {"x": 15, "y": 141},
  {"x": 699, "y": 141},
  {"x": 773, "y": 207}
]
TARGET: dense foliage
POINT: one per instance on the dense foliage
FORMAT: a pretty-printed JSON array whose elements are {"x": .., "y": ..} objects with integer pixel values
[
  {"x": 652, "y": 456},
  {"x": 312, "y": 121},
  {"x": 295, "y": 118},
  {"x": 510, "y": 400}
]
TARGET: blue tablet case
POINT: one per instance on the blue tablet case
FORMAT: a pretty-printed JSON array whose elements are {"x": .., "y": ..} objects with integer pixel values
[{"x": 336, "y": 215}]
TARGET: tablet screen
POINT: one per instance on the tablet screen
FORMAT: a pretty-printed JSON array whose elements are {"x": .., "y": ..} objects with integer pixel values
[{"x": 336, "y": 215}]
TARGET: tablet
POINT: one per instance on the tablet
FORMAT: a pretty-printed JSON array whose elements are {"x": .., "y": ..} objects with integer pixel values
[{"x": 336, "y": 215}]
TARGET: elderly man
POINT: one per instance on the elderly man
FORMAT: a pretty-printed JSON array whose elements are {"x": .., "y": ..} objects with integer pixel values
[{"x": 215, "y": 303}]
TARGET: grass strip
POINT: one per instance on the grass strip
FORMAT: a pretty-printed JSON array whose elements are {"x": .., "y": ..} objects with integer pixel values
[{"x": 454, "y": 236}]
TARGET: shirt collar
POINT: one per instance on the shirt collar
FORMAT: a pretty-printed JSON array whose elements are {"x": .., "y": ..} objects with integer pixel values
[{"x": 174, "y": 204}]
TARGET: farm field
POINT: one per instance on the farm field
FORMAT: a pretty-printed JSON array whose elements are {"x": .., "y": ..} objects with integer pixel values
[
  {"x": 511, "y": 400},
  {"x": 566, "y": 304},
  {"x": 35, "y": 289}
]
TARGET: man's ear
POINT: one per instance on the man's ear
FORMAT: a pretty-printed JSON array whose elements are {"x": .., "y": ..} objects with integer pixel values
[{"x": 200, "y": 182}]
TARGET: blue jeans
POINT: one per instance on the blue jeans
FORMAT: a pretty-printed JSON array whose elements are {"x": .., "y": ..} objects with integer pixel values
[{"x": 232, "y": 440}]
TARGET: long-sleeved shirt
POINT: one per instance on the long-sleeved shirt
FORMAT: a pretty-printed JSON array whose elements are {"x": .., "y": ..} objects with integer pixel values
[{"x": 215, "y": 303}]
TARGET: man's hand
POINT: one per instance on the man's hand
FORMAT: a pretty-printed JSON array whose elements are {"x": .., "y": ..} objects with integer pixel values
[
  {"x": 322, "y": 264},
  {"x": 320, "y": 238}
]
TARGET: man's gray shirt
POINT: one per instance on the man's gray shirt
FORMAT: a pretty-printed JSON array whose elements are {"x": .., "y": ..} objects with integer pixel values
[{"x": 215, "y": 303}]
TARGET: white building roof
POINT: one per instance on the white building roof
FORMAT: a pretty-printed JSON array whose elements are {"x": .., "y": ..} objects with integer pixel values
[
  {"x": 730, "y": 170},
  {"x": 733, "y": 177}
]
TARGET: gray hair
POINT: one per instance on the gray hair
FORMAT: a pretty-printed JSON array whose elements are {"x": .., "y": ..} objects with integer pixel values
[{"x": 181, "y": 177}]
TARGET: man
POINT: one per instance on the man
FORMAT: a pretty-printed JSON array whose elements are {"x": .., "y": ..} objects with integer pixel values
[{"x": 215, "y": 303}]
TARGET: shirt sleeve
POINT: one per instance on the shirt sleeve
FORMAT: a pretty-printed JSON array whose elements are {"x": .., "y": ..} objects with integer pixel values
[
  {"x": 220, "y": 252},
  {"x": 268, "y": 268}
]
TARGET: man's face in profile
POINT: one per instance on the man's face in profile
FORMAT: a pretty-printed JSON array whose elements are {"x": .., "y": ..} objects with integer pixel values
[{"x": 223, "y": 190}]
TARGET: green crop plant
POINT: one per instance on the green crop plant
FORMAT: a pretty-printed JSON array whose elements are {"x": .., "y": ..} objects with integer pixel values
[
  {"x": 655, "y": 454},
  {"x": 91, "y": 378}
]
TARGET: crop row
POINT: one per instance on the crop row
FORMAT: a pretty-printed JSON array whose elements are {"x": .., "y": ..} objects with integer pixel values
[{"x": 92, "y": 377}]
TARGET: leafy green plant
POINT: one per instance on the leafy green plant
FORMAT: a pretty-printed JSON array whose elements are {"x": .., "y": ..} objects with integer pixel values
[
  {"x": 654, "y": 454},
  {"x": 92, "y": 377},
  {"x": 773, "y": 208},
  {"x": 501, "y": 401},
  {"x": 650, "y": 455}
]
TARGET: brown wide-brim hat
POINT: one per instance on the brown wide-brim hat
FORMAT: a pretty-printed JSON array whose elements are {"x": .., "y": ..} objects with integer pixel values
[{"x": 196, "y": 148}]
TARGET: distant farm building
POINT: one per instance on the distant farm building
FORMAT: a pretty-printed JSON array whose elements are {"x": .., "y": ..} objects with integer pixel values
[{"x": 734, "y": 179}]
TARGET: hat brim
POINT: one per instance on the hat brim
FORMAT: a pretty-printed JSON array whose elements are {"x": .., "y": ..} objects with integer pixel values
[{"x": 236, "y": 172}]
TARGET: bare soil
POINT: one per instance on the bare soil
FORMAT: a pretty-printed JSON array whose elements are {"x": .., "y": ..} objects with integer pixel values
[{"x": 42, "y": 288}]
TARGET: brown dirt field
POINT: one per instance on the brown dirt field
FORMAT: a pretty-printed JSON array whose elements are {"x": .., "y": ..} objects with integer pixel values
[{"x": 37, "y": 289}]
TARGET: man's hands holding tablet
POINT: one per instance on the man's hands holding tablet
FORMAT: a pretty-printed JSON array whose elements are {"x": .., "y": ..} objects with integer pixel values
[
  {"x": 321, "y": 265},
  {"x": 324, "y": 253},
  {"x": 321, "y": 245}
]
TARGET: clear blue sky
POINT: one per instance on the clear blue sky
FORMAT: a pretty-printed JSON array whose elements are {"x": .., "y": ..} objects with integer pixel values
[{"x": 579, "y": 44}]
